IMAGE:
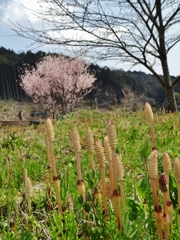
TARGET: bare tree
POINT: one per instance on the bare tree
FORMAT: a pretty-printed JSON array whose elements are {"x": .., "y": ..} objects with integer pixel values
[
  {"x": 132, "y": 100},
  {"x": 136, "y": 31}
]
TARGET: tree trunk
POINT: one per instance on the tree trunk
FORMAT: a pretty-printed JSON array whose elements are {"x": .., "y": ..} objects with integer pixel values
[
  {"x": 64, "y": 107},
  {"x": 171, "y": 100},
  {"x": 170, "y": 94},
  {"x": 169, "y": 88}
]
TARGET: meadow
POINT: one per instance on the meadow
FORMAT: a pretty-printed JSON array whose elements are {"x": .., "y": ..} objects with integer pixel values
[{"x": 33, "y": 213}]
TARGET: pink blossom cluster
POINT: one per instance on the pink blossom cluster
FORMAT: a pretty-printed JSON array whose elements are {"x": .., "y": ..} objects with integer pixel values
[{"x": 57, "y": 81}]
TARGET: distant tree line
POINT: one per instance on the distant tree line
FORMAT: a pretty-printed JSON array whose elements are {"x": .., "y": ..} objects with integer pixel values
[
  {"x": 108, "y": 86},
  {"x": 11, "y": 65},
  {"x": 108, "y": 89}
]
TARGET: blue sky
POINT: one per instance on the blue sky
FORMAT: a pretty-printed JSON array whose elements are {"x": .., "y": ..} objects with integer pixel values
[{"x": 14, "y": 11}]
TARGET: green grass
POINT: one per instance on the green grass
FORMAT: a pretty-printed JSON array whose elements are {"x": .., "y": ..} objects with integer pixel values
[{"x": 24, "y": 148}]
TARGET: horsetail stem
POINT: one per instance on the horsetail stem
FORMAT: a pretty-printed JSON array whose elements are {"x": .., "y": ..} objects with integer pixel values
[
  {"x": 50, "y": 139},
  {"x": 90, "y": 147},
  {"x": 167, "y": 170},
  {"x": 116, "y": 196},
  {"x": 165, "y": 219},
  {"x": 112, "y": 142},
  {"x": 97, "y": 194},
  {"x": 49, "y": 176},
  {"x": 153, "y": 177},
  {"x": 81, "y": 189},
  {"x": 116, "y": 204},
  {"x": 108, "y": 154},
  {"x": 77, "y": 150}
]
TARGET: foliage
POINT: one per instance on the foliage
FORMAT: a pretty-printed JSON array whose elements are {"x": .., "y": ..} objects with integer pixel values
[
  {"x": 57, "y": 82},
  {"x": 24, "y": 148}
]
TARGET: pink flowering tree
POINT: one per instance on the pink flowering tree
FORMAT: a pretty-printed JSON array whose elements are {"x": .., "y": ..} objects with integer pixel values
[{"x": 57, "y": 82}]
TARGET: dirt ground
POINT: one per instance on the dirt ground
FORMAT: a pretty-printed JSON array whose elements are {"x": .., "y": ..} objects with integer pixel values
[{"x": 9, "y": 110}]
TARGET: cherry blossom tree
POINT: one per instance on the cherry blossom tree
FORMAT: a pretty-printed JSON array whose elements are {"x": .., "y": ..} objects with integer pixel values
[
  {"x": 132, "y": 31},
  {"x": 57, "y": 82}
]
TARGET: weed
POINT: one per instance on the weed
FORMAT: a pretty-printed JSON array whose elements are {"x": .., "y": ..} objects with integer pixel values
[{"x": 82, "y": 215}]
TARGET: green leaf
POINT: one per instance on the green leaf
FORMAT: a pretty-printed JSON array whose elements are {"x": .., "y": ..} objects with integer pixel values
[
  {"x": 144, "y": 187},
  {"x": 87, "y": 207},
  {"x": 26, "y": 235},
  {"x": 0, "y": 181},
  {"x": 132, "y": 233}
]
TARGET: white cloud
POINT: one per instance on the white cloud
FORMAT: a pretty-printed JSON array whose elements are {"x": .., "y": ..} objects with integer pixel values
[{"x": 17, "y": 11}]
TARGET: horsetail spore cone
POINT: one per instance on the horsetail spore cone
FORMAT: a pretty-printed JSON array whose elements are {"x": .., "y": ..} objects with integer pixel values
[
  {"x": 150, "y": 118},
  {"x": 177, "y": 176},
  {"x": 101, "y": 160},
  {"x": 76, "y": 140},
  {"x": 112, "y": 135},
  {"x": 28, "y": 186},
  {"x": 153, "y": 175},
  {"x": 100, "y": 154},
  {"x": 49, "y": 130},
  {"x": 120, "y": 176},
  {"x": 148, "y": 112},
  {"x": 50, "y": 139},
  {"x": 119, "y": 168},
  {"x": 107, "y": 149},
  {"x": 167, "y": 166}
]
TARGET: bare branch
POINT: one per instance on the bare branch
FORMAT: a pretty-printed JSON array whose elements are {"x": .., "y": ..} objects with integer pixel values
[
  {"x": 176, "y": 80},
  {"x": 174, "y": 14},
  {"x": 136, "y": 31}
]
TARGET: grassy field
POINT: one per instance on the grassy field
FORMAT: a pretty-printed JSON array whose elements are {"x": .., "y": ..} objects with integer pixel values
[{"x": 23, "y": 155}]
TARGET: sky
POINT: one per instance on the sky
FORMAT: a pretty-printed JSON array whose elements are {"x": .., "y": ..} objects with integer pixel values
[{"x": 14, "y": 11}]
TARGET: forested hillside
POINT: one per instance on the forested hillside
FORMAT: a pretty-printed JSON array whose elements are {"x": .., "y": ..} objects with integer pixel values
[
  {"x": 11, "y": 65},
  {"x": 111, "y": 87}
]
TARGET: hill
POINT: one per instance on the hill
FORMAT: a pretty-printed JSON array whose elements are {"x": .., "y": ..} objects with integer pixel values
[{"x": 112, "y": 86}]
